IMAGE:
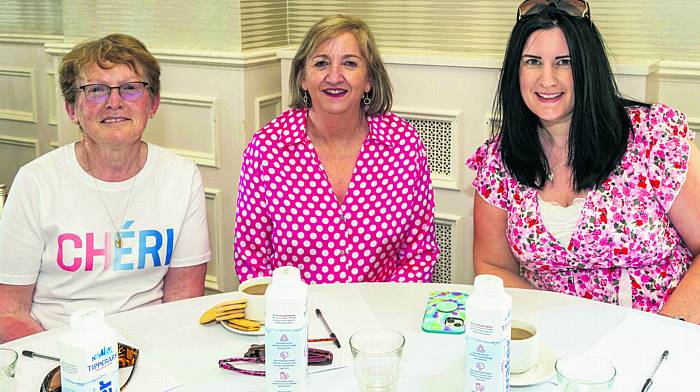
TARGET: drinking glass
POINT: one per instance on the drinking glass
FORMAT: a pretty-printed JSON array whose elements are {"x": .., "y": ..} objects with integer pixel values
[
  {"x": 376, "y": 355},
  {"x": 8, "y": 363},
  {"x": 584, "y": 373}
]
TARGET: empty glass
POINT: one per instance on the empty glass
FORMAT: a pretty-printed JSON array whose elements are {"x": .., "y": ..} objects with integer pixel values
[
  {"x": 376, "y": 355},
  {"x": 584, "y": 373},
  {"x": 8, "y": 363}
]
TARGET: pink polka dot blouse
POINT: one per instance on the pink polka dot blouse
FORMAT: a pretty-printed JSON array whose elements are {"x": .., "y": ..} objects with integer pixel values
[{"x": 287, "y": 213}]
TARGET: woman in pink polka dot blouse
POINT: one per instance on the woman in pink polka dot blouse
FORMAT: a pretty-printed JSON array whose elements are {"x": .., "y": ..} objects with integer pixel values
[{"x": 337, "y": 186}]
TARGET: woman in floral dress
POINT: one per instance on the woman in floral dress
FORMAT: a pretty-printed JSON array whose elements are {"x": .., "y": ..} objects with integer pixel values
[{"x": 579, "y": 190}]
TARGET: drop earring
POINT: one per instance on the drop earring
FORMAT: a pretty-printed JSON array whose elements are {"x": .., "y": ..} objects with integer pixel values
[
  {"x": 306, "y": 98},
  {"x": 366, "y": 101}
]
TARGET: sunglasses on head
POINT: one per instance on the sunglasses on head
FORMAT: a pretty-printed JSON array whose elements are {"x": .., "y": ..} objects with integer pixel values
[
  {"x": 127, "y": 360},
  {"x": 578, "y": 8}
]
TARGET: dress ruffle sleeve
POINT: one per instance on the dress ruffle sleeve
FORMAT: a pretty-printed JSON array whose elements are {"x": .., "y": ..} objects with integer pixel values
[
  {"x": 491, "y": 176},
  {"x": 667, "y": 152}
]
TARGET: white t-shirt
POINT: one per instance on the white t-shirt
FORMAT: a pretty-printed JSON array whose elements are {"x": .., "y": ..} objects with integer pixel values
[{"x": 55, "y": 233}]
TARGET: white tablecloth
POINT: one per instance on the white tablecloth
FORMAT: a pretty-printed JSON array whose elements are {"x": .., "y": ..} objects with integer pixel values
[{"x": 179, "y": 349}]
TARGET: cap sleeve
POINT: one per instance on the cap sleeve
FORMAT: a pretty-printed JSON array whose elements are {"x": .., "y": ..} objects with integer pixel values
[
  {"x": 490, "y": 181},
  {"x": 667, "y": 152}
]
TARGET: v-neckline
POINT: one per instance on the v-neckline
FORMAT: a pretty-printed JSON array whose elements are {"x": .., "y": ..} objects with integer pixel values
[
  {"x": 339, "y": 204},
  {"x": 579, "y": 220}
]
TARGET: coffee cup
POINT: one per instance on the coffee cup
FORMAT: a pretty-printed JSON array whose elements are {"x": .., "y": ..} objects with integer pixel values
[
  {"x": 524, "y": 346},
  {"x": 253, "y": 290}
]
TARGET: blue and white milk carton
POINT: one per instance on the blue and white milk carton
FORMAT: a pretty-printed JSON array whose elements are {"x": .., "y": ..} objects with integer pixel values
[
  {"x": 286, "y": 334},
  {"x": 487, "y": 332},
  {"x": 89, "y": 354}
]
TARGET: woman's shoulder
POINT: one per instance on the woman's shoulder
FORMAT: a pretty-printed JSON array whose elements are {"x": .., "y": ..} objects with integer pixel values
[
  {"x": 394, "y": 128},
  {"x": 51, "y": 163},
  {"x": 489, "y": 151},
  {"x": 288, "y": 121},
  {"x": 658, "y": 120}
]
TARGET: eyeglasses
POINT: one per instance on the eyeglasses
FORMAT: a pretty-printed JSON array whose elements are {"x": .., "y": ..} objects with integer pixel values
[
  {"x": 578, "y": 8},
  {"x": 128, "y": 357},
  {"x": 98, "y": 93},
  {"x": 256, "y": 355}
]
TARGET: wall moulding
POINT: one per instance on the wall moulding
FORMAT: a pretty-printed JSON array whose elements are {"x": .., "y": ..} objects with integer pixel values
[
  {"x": 202, "y": 158},
  {"x": 265, "y": 105},
  {"x": 673, "y": 70},
  {"x": 21, "y": 142},
  {"x": 212, "y": 196},
  {"x": 30, "y": 115},
  {"x": 694, "y": 124},
  {"x": 236, "y": 60},
  {"x": 29, "y": 39},
  {"x": 447, "y": 232},
  {"x": 484, "y": 61},
  {"x": 440, "y": 132},
  {"x": 51, "y": 96}
]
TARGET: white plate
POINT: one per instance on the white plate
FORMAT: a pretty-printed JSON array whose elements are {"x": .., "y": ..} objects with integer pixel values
[
  {"x": 259, "y": 332},
  {"x": 543, "y": 371}
]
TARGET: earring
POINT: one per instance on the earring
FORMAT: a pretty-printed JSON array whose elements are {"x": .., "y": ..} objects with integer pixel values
[
  {"x": 366, "y": 101},
  {"x": 306, "y": 98}
]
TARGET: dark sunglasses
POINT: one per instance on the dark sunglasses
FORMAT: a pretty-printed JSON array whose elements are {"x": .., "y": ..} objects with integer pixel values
[
  {"x": 578, "y": 8},
  {"x": 127, "y": 360},
  {"x": 256, "y": 355}
]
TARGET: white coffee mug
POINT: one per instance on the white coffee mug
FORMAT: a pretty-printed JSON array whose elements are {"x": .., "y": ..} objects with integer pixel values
[
  {"x": 255, "y": 300},
  {"x": 524, "y": 347}
]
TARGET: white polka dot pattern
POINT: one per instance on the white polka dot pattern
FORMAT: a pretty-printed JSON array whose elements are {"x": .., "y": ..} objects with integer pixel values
[{"x": 287, "y": 213}]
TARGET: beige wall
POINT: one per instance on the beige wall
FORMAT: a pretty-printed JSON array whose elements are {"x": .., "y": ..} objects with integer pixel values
[{"x": 225, "y": 68}]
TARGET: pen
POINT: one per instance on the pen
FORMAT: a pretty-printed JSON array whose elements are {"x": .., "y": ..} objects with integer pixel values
[
  {"x": 325, "y": 324},
  {"x": 649, "y": 381},
  {"x": 32, "y": 354}
]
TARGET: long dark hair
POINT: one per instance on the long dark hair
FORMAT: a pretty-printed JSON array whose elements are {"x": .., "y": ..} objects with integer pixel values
[{"x": 600, "y": 126}]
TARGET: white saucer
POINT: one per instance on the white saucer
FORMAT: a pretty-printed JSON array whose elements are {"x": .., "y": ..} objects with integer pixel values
[
  {"x": 259, "y": 332},
  {"x": 543, "y": 371}
]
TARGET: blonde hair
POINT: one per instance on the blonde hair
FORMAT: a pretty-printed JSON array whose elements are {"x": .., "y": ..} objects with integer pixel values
[
  {"x": 332, "y": 26},
  {"x": 105, "y": 52}
]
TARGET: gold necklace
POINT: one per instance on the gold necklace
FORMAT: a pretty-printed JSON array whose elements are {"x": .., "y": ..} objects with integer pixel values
[
  {"x": 118, "y": 241},
  {"x": 550, "y": 173}
]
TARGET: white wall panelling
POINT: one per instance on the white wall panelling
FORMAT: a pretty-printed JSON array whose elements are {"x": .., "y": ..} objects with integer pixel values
[
  {"x": 18, "y": 100},
  {"x": 51, "y": 96},
  {"x": 189, "y": 126},
  {"x": 22, "y": 142},
  {"x": 24, "y": 110},
  {"x": 19, "y": 151},
  {"x": 266, "y": 109},
  {"x": 213, "y": 200},
  {"x": 448, "y": 232}
]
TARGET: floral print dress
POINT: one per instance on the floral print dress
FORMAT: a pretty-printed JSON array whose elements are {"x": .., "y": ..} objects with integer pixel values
[{"x": 624, "y": 223}]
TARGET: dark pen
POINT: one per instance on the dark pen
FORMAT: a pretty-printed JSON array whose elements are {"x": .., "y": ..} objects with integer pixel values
[
  {"x": 325, "y": 324},
  {"x": 32, "y": 354},
  {"x": 649, "y": 381}
]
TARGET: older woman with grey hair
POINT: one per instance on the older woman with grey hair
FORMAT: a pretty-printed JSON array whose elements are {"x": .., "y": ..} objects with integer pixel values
[{"x": 109, "y": 221}]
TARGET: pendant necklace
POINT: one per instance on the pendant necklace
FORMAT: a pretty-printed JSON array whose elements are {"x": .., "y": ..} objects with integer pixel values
[
  {"x": 118, "y": 242},
  {"x": 550, "y": 173}
]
